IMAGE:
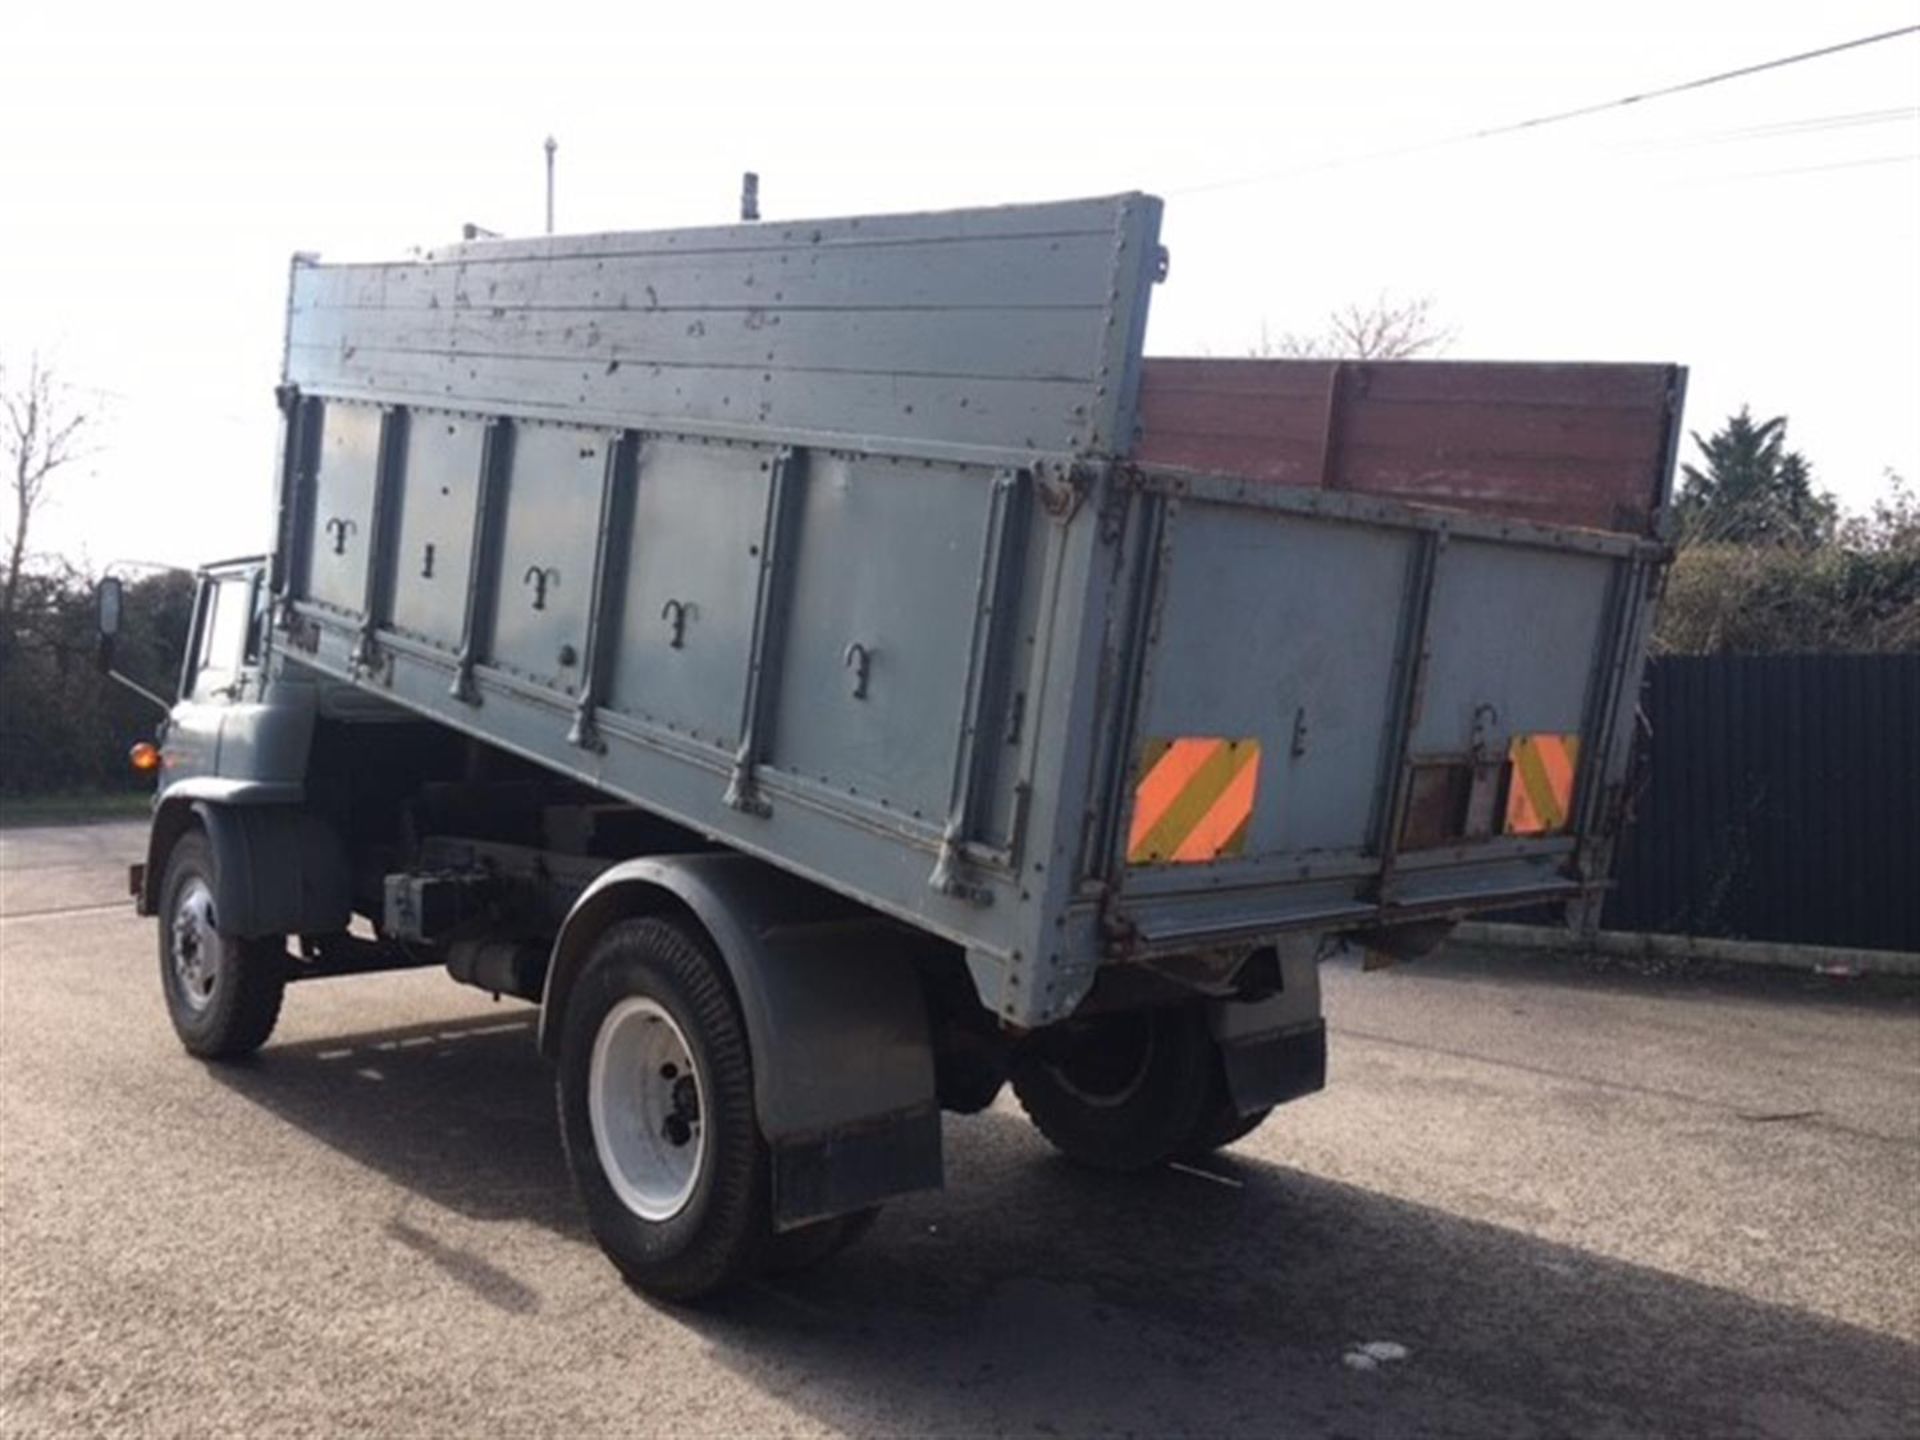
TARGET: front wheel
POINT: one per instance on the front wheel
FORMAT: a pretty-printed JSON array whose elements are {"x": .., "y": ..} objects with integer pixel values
[
  {"x": 223, "y": 993},
  {"x": 657, "y": 1113}
]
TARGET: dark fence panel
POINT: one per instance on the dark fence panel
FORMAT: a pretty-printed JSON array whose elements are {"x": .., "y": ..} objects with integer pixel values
[{"x": 1783, "y": 802}]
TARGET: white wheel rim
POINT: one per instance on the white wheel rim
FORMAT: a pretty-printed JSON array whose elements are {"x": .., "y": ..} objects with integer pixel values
[
  {"x": 647, "y": 1107},
  {"x": 194, "y": 946}
]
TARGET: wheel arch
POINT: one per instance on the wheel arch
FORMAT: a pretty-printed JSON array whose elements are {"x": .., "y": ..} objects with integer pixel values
[
  {"x": 835, "y": 1016},
  {"x": 173, "y": 817},
  {"x": 278, "y": 869}
]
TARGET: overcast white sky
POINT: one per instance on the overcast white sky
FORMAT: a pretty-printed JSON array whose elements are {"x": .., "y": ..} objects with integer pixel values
[{"x": 159, "y": 163}]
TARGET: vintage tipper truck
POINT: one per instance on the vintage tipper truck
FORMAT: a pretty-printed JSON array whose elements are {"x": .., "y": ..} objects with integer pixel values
[{"x": 828, "y": 671}]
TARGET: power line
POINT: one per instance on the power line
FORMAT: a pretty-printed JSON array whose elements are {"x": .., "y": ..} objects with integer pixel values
[
  {"x": 1779, "y": 129},
  {"x": 1813, "y": 169},
  {"x": 1700, "y": 84},
  {"x": 1556, "y": 117}
]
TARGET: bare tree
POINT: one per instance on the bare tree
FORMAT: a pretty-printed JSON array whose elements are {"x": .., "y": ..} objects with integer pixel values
[
  {"x": 41, "y": 435},
  {"x": 1389, "y": 328}
]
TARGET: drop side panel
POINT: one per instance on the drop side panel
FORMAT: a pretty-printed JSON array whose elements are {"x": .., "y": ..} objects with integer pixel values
[
  {"x": 547, "y": 544},
  {"x": 433, "y": 542},
  {"x": 342, "y": 529},
  {"x": 880, "y": 627},
  {"x": 687, "y": 615}
]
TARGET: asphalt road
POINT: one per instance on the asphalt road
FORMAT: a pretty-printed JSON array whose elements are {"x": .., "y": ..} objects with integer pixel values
[{"x": 1555, "y": 1202}]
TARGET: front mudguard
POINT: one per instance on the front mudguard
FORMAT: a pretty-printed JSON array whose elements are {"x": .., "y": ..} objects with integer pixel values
[{"x": 278, "y": 869}]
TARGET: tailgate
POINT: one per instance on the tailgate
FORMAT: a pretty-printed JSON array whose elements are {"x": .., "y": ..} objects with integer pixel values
[{"x": 1347, "y": 709}]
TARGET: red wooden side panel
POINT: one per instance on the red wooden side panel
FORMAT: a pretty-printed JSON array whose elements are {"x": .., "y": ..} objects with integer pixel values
[{"x": 1585, "y": 445}]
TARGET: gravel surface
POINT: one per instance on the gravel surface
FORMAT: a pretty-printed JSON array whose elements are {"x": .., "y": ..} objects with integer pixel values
[{"x": 1534, "y": 1200}]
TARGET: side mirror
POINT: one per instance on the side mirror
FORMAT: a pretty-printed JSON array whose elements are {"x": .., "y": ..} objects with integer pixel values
[{"x": 108, "y": 599}]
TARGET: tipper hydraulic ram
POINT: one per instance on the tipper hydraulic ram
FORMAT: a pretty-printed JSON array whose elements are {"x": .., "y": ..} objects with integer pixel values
[{"x": 827, "y": 669}]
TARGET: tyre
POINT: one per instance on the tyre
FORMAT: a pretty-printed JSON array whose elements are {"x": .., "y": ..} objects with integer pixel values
[
  {"x": 1120, "y": 1092},
  {"x": 223, "y": 994},
  {"x": 1220, "y": 1123},
  {"x": 657, "y": 1113}
]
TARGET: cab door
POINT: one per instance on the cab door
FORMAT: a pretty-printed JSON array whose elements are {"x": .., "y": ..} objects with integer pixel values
[{"x": 213, "y": 675}]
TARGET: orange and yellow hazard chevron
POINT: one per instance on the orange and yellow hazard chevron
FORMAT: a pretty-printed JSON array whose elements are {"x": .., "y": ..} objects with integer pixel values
[
  {"x": 1194, "y": 799},
  {"x": 1540, "y": 790}
]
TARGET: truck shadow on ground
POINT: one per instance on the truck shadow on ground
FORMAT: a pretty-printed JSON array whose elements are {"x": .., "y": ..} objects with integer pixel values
[{"x": 1030, "y": 1296}]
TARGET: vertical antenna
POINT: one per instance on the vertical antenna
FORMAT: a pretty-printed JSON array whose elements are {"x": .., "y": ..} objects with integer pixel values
[
  {"x": 552, "y": 145},
  {"x": 750, "y": 195}
]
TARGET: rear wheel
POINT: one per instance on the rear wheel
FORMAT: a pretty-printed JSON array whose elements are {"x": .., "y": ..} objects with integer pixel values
[
  {"x": 223, "y": 993},
  {"x": 1120, "y": 1092},
  {"x": 657, "y": 1113},
  {"x": 1221, "y": 1123}
]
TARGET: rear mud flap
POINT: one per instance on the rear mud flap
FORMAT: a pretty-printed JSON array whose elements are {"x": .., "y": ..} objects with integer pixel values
[
  {"x": 1275, "y": 1050},
  {"x": 1273, "y": 1069},
  {"x": 839, "y": 1171}
]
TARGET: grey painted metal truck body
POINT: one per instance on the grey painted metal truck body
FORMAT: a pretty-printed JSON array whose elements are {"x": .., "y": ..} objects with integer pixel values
[
  {"x": 821, "y": 540},
  {"x": 853, "y": 596}
]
